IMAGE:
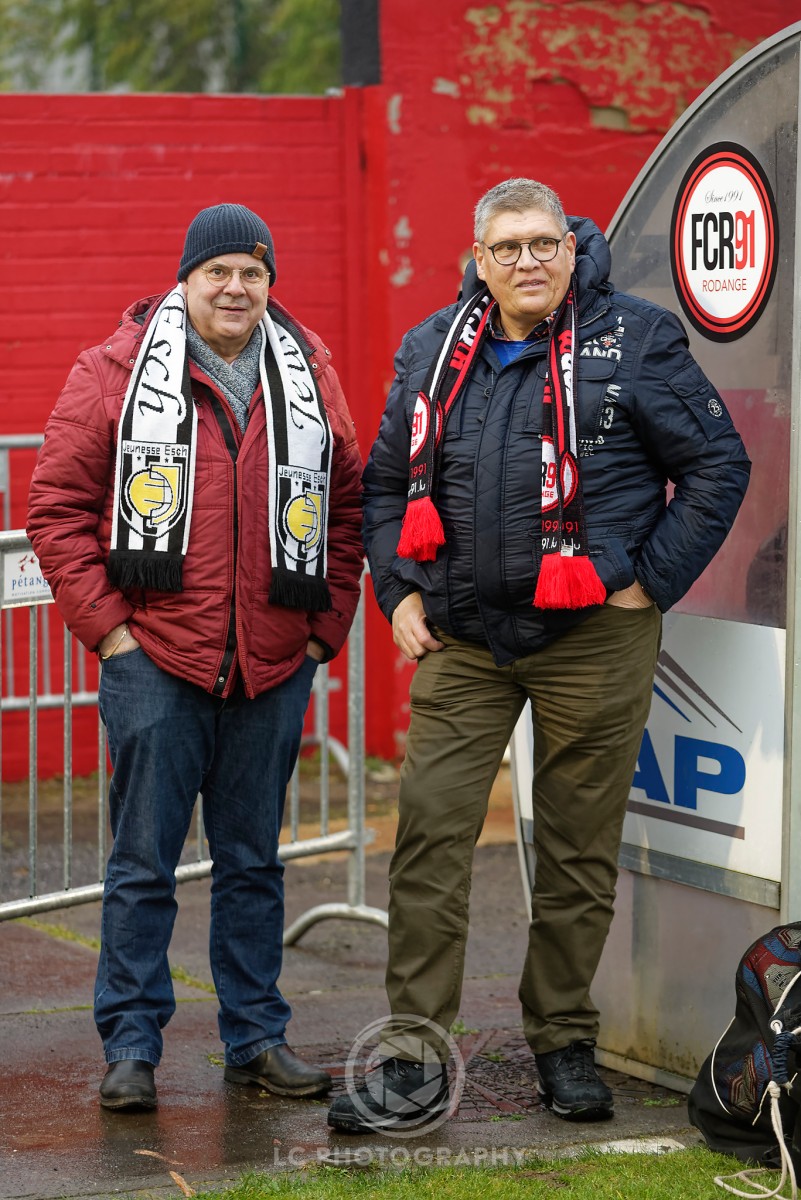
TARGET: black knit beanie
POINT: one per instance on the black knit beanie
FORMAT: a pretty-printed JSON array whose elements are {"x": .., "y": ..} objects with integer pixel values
[{"x": 226, "y": 229}]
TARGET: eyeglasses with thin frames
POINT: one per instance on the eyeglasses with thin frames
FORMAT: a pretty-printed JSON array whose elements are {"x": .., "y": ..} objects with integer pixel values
[
  {"x": 508, "y": 252},
  {"x": 220, "y": 275}
]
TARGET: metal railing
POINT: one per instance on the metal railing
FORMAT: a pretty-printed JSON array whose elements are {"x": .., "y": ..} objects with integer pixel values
[
  {"x": 25, "y": 591},
  {"x": 8, "y": 443}
]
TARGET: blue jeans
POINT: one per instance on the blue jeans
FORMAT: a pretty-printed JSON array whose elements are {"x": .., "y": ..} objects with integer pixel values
[{"x": 169, "y": 741}]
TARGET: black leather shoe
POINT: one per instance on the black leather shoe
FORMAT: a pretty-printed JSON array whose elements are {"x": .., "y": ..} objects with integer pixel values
[
  {"x": 397, "y": 1093},
  {"x": 570, "y": 1086},
  {"x": 279, "y": 1070},
  {"x": 129, "y": 1084}
]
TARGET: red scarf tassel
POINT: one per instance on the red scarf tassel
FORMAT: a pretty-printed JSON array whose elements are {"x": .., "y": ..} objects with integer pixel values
[
  {"x": 421, "y": 533},
  {"x": 568, "y": 581}
]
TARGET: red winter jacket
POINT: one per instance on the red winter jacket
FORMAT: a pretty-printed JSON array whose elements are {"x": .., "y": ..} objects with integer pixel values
[{"x": 186, "y": 633}]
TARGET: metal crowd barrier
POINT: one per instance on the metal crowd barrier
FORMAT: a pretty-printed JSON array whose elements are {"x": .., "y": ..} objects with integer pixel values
[
  {"x": 24, "y": 590},
  {"x": 8, "y": 443}
]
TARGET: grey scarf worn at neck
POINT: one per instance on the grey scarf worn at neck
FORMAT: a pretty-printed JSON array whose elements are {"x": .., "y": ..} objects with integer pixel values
[{"x": 237, "y": 380}]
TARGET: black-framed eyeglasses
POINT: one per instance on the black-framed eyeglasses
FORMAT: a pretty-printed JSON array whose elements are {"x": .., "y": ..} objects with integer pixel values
[
  {"x": 220, "y": 274},
  {"x": 507, "y": 253}
]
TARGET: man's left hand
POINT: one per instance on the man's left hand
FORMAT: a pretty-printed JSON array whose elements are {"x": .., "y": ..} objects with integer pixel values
[
  {"x": 634, "y": 596},
  {"x": 314, "y": 650}
]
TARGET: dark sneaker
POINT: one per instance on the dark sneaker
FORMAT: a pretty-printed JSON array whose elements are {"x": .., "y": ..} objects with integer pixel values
[
  {"x": 396, "y": 1093},
  {"x": 570, "y": 1085}
]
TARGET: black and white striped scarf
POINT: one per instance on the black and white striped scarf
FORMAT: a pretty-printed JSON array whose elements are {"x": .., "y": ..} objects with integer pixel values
[{"x": 156, "y": 452}]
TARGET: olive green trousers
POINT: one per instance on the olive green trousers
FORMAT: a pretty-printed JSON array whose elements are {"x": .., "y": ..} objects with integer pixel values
[{"x": 590, "y": 694}]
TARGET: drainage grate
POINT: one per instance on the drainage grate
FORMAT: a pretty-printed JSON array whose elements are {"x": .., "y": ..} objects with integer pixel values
[{"x": 501, "y": 1077}]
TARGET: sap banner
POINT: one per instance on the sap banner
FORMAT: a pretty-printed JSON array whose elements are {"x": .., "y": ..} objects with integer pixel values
[{"x": 708, "y": 785}]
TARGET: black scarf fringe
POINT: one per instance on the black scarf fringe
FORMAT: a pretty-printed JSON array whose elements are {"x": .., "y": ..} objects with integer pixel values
[
  {"x": 295, "y": 591},
  {"x": 156, "y": 572}
]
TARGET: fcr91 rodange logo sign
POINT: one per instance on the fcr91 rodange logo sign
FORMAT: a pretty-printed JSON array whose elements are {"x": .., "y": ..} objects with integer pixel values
[{"x": 724, "y": 241}]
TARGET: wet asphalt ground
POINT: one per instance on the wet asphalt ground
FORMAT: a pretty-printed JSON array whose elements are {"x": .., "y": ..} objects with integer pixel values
[{"x": 55, "y": 1140}]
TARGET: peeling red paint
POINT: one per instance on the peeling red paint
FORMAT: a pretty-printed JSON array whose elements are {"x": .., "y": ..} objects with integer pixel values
[{"x": 647, "y": 60}]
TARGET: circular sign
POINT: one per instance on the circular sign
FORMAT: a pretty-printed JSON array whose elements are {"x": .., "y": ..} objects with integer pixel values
[{"x": 724, "y": 241}]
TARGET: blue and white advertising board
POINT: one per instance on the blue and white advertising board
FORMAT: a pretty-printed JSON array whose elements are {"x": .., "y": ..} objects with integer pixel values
[{"x": 709, "y": 777}]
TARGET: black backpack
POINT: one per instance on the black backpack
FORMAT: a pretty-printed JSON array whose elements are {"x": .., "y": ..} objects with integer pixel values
[{"x": 732, "y": 1102}]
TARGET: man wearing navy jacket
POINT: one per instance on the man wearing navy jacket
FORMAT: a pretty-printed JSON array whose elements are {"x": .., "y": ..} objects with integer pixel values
[{"x": 522, "y": 547}]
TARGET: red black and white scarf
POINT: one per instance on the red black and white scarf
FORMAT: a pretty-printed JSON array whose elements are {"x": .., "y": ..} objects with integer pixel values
[
  {"x": 156, "y": 455},
  {"x": 567, "y": 577}
]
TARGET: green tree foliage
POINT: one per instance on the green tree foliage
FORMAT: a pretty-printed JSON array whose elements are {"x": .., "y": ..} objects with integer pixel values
[
  {"x": 25, "y": 34},
  {"x": 184, "y": 46},
  {"x": 306, "y": 47}
]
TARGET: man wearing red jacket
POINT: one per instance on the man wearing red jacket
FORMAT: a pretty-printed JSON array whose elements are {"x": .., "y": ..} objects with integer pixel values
[{"x": 196, "y": 511}]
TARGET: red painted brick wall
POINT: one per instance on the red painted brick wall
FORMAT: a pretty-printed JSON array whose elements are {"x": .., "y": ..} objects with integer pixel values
[
  {"x": 95, "y": 196},
  {"x": 369, "y": 195}
]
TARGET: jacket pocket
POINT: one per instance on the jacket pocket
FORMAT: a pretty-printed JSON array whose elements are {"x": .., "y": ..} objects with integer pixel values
[
  {"x": 414, "y": 382},
  {"x": 612, "y": 562},
  {"x": 596, "y": 399},
  {"x": 534, "y": 413},
  {"x": 694, "y": 390},
  {"x": 594, "y": 403}
]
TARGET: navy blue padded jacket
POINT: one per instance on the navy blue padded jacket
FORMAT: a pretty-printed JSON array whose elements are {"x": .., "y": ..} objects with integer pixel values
[{"x": 647, "y": 415}]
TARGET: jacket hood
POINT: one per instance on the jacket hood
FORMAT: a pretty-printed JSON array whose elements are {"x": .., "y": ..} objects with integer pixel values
[
  {"x": 593, "y": 257},
  {"x": 123, "y": 345},
  {"x": 138, "y": 311}
]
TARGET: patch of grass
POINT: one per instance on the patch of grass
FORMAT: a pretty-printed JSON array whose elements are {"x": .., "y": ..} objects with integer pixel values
[
  {"x": 69, "y": 935},
  {"x": 664, "y": 1102},
  {"x": 373, "y": 763},
  {"x": 61, "y": 932},
  {"x": 458, "y": 1028},
  {"x": 685, "y": 1175},
  {"x": 493, "y": 1056},
  {"x": 309, "y": 762},
  {"x": 182, "y": 976},
  {"x": 38, "y": 1012}
]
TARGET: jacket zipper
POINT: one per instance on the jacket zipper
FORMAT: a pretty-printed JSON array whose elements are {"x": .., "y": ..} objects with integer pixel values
[{"x": 230, "y": 640}]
